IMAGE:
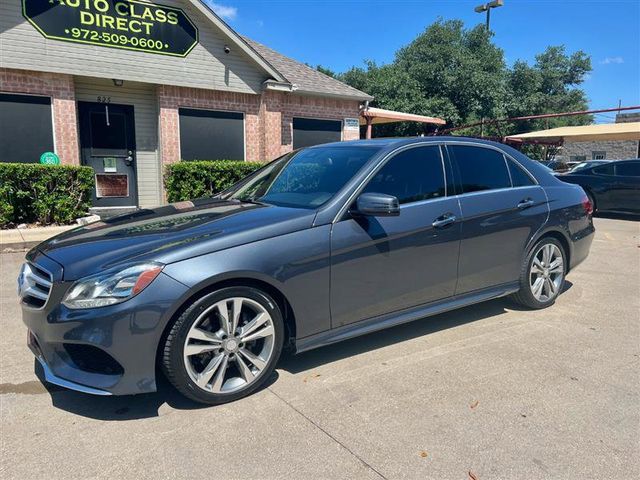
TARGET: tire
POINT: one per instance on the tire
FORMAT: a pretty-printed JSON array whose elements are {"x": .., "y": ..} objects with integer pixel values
[
  {"x": 208, "y": 360},
  {"x": 527, "y": 296}
]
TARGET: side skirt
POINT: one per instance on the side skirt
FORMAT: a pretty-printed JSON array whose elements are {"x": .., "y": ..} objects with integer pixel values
[{"x": 403, "y": 316}]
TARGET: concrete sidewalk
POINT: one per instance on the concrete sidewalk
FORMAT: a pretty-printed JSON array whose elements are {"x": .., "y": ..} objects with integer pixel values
[{"x": 24, "y": 238}]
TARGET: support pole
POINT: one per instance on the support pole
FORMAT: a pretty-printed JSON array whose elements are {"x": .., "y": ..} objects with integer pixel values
[{"x": 369, "y": 127}]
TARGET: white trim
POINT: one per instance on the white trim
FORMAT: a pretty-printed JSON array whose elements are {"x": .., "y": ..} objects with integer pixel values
[
  {"x": 244, "y": 129},
  {"x": 237, "y": 39}
]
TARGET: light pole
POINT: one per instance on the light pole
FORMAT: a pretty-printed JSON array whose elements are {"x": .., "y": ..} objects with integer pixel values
[{"x": 486, "y": 7}]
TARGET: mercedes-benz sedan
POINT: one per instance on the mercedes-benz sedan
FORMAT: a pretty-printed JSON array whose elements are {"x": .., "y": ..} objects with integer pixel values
[{"x": 320, "y": 245}]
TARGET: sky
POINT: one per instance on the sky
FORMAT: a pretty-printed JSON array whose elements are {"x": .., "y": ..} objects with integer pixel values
[{"x": 342, "y": 34}]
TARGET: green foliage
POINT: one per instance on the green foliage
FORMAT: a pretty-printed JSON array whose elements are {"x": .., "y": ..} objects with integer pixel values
[
  {"x": 43, "y": 193},
  {"x": 460, "y": 75},
  {"x": 189, "y": 180}
]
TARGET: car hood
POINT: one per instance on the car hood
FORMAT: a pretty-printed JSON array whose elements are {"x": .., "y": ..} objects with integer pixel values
[{"x": 169, "y": 234}]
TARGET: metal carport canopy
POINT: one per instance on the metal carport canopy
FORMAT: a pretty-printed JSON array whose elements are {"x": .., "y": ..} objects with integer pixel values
[
  {"x": 374, "y": 116},
  {"x": 585, "y": 133}
]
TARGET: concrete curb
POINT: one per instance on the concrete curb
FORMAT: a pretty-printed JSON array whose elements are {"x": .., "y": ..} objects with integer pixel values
[{"x": 19, "y": 239}]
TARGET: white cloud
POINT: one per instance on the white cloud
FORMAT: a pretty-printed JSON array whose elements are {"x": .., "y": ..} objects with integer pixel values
[
  {"x": 609, "y": 60},
  {"x": 223, "y": 11}
]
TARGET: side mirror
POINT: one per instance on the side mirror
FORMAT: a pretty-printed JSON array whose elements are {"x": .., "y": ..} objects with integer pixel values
[{"x": 377, "y": 205}]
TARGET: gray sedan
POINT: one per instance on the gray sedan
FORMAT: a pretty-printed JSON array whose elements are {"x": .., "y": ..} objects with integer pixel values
[{"x": 320, "y": 245}]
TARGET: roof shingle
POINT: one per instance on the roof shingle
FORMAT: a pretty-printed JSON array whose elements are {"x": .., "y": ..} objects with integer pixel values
[{"x": 305, "y": 78}]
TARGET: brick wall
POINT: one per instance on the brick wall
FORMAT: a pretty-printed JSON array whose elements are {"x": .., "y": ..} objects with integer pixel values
[
  {"x": 268, "y": 117},
  {"x": 60, "y": 88},
  {"x": 171, "y": 98},
  {"x": 315, "y": 107},
  {"x": 615, "y": 149}
]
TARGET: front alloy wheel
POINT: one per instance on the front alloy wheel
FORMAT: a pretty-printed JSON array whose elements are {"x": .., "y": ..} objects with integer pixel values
[{"x": 225, "y": 345}]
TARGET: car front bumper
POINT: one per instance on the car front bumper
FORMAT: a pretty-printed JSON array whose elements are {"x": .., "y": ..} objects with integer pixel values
[{"x": 103, "y": 351}]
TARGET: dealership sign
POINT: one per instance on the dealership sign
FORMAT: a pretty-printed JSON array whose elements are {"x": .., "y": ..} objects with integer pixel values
[{"x": 125, "y": 24}]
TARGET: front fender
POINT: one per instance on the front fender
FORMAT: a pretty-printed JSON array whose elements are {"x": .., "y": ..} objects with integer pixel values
[{"x": 296, "y": 264}]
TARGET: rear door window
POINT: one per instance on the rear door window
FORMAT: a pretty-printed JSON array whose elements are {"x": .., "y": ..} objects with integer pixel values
[
  {"x": 628, "y": 169},
  {"x": 480, "y": 168},
  {"x": 519, "y": 178}
]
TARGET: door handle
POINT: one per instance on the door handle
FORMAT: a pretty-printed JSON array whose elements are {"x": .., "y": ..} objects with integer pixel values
[
  {"x": 526, "y": 203},
  {"x": 444, "y": 220}
]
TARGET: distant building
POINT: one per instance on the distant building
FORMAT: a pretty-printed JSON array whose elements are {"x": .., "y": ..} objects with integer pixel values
[{"x": 606, "y": 150}]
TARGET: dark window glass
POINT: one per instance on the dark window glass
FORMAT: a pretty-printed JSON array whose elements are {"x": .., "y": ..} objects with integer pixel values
[
  {"x": 519, "y": 178},
  {"x": 480, "y": 168},
  {"x": 412, "y": 175},
  {"x": 209, "y": 135},
  {"x": 311, "y": 131},
  {"x": 305, "y": 179},
  {"x": 108, "y": 134},
  {"x": 26, "y": 130},
  {"x": 604, "y": 170},
  {"x": 628, "y": 169}
]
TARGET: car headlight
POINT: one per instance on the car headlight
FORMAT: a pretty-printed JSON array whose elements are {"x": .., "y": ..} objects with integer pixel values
[{"x": 112, "y": 286}]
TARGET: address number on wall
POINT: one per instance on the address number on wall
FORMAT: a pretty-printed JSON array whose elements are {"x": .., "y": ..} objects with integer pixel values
[{"x": 102, "y": 99}]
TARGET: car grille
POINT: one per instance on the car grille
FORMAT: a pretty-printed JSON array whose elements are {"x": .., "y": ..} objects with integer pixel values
[{"x": 34, "y": 285}]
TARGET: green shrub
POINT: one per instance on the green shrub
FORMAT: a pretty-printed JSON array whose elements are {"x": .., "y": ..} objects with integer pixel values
[
  {"x": 189, "y": 180},
  {"x": 43, "y": 193}
]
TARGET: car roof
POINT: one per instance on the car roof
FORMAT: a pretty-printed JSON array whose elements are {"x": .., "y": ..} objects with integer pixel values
[{"x": 399, "y": 141}]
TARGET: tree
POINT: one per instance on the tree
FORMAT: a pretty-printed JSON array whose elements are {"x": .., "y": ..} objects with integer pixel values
[{"x": 460, "y": 75}]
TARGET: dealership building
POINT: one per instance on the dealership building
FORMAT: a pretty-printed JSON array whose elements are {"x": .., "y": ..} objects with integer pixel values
[{"x": 126, "y": 86}]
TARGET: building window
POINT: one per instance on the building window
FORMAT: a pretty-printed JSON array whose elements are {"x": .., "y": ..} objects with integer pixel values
[
  {"x": 26, "y": 128},
  {"x": 598, "y": 155},
  {"x": 311, "y": 131},
  {"x": 211, "y": 135}
]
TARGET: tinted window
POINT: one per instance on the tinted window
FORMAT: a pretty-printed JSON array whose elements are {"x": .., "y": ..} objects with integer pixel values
[
  {"x": 26, "y": 130},
  {"x": 209, "y": 135},
  {"x": 412, "y": 175},
  {"x": 628, "y": 169},
  {"x": 310, "y": 131},
  {"x": 305, "y": 179},
  {"x": 519, "y": 178},
  {"x": 604, "y": 170},
  {"x": 480, "y": 168}
]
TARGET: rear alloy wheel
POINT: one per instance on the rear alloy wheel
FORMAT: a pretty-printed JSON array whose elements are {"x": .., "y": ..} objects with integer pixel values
[
  {"x": 225, "y": 345},
  {"x": 542, "y": 278}
]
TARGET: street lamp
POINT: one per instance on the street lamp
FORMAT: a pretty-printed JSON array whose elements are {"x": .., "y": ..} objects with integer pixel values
[{"x": 486, "y": 7}]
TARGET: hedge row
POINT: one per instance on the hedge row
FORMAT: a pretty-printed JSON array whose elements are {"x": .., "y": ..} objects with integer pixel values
[
  {"x": 46, "y": 194},
  {"x": 202, "y": 178}
]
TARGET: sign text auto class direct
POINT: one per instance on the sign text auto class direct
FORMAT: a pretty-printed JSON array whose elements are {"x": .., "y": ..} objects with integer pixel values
[{"x": 127, "y": 24}]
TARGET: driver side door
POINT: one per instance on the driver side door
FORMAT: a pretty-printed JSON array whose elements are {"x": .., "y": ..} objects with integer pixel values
[{"x": 382, "y": 264}]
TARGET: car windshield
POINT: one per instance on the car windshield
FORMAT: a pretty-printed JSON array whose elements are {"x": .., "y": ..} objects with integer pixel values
[
  {"x": 583, "y": 165},
  {"x": 303, "y": 179}
]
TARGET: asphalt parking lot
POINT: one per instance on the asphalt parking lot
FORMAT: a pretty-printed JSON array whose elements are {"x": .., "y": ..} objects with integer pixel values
[{"x": 487, "y": 392}]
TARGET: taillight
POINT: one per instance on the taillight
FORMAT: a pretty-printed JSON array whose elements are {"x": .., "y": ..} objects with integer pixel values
[{"x": 587, "y": 205}]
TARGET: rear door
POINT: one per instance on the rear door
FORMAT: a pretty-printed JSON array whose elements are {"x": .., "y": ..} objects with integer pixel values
[
  {"x": 502, "y": 209},
  {"x": 627, "y": 185},
  {"x": 384, "y": 264}
]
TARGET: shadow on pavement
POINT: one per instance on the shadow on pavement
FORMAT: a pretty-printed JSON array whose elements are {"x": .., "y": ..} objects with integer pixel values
[
  {"x": 128, "y": 407},
  {"x": 383, "y": 338},
  {"x": 619, "y": 216}
]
